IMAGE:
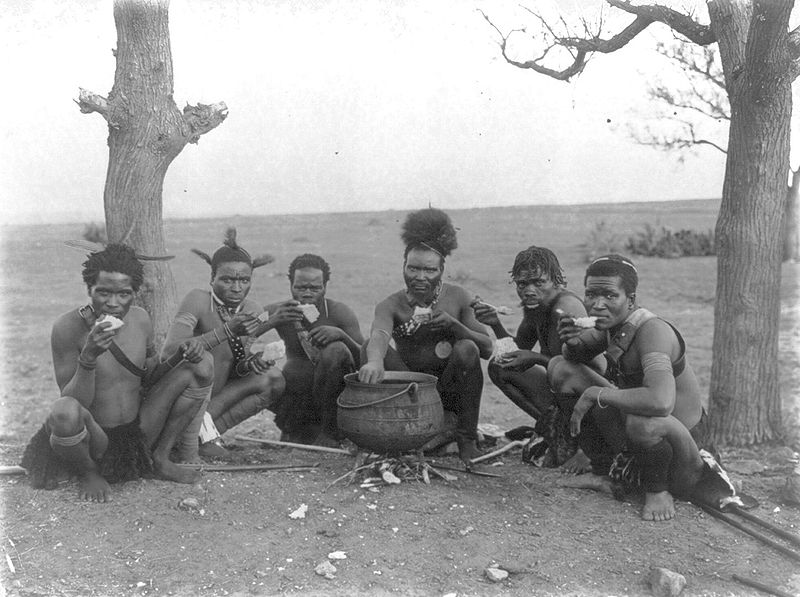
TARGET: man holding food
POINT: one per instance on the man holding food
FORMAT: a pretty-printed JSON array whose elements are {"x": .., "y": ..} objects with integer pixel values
[
  {"x": 521, "y": 372},
  {"x": 121, "y": 410},
  {"x": 322, "y": 339},
  {"x": 636, "y": 421},
  {"x": 223, "y": 321},
  {"x": 433, "y": 327}
]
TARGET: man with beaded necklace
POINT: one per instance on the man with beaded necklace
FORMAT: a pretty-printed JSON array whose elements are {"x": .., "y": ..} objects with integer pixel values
[{"x": 222, "y": 320}]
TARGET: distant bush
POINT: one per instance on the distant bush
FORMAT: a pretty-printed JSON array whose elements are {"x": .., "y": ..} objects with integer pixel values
[
  {"x": 601, "y": 241},
  {"x": 663, "y": 242},
  {"x": 94, "y": 232},
  {"x": 374, "y": 222}
]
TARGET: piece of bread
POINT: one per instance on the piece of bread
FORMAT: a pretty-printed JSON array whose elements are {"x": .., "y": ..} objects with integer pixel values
[
  {"x": 115, "y": 322},
  {"x": 310, "y": 312},
  {"x": 585, "y": 322},
  {"x": 422, "y": 314}
]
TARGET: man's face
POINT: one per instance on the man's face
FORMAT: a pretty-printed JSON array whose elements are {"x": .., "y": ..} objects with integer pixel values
[
  {"x": 422, "y": 272},
  {"x": 231, "y": 282},
  {"x": 535, "y": 288},
  {"x": 605, "y": 299},
  {"x": 112, "y": 294},
  {"x": 308, "y": 287}
]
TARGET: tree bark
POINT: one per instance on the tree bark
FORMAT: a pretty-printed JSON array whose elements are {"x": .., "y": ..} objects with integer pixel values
[
  {"x": 146, "y": 132},
  {"x": 745, "y": 401}
]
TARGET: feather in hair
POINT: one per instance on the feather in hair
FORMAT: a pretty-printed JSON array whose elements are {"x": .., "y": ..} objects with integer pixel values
[
  {"x": 431, "y": 227},
  {"x": 204, "y": 256},
  {"x": 92, "y": 247},
  {"x": 262, "y": 260}
]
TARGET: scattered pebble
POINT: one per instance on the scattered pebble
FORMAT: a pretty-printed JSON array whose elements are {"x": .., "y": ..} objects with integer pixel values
[
  {"x": 337, "y": 555},
  {"x": 466, "y": 531},
  {"x": 326, "y": 569},
  {"x": 300, "y": 512},
  {"x": 495, "y": 574},
  {"x": 665, "y": 582},
  {"x": 189, "y": 503}
]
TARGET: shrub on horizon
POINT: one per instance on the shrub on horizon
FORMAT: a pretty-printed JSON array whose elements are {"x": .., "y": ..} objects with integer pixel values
[
  {"x": 663, "y": 242},
  {"x": 601, "y": 241}
]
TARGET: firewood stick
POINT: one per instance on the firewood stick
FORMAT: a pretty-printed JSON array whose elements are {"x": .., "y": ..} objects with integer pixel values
[
  {"x": 224, "y": 468},
  {"x": 504, "y": 449},
  {"x": 12, "y": 469},
  {"x": 761, "y": 586},
  {"x": 789, "y": 536},
  {"x": 274, "y": 442}
]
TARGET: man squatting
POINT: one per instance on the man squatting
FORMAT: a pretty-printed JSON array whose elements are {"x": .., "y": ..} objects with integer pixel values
[
  {"x": 323, "y": 340},
  {"x": 522, "y": 374},
  {"x": 647, "y": 402},
  {"x": 101, "y": 428},
  {"x": 223, "y": 321},
  {"x": 448, "y": 342}
]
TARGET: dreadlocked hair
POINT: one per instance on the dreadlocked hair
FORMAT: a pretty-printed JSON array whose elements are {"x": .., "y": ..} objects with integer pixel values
[
  {"x": 313, "y": 261},
  {"x": 538, "y": 258},
  {"x": 430, "y": 229},
  {"x": 615, "y": 265},
  {"x": 115, "y": 257}
]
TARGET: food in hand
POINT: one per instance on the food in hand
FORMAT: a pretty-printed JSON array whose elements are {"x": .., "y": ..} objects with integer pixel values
[
  {"x": 274, "y": 351},
  {"x": 263, "y": 317},
  {"x": 503, "y": 346},
  {"x": 310, "y": 312},
  {"x": 422, "y": 314},
  {"x": 585, "y": 322},
  {"x": 500, "y": 310},
  {"x": 115, "y": 322}
]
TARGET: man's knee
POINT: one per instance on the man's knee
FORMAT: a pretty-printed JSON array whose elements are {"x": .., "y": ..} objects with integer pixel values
[
  {"x": 271, "y": 382},
  {"x": 336, "y": 354},
  {"x": 642, "y": 430},
  {"x": 559, "y": 372},
  {"x": 466, "y": 353},
  {"x": 66, "y": 417},
  {"x": 203, "y": 370}
]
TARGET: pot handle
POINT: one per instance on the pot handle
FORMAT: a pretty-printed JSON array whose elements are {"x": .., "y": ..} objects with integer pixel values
[{"x": 411, "y": 389}]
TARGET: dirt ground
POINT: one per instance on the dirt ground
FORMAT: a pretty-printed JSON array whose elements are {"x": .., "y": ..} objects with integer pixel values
[{"x": 406, "y": 539}]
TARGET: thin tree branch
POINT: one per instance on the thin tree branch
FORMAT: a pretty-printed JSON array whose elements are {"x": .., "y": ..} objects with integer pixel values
[{"x": 683, "y": 24}]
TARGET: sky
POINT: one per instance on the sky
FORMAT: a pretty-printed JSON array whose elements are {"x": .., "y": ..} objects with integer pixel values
[{"x": 336, "y": 106}]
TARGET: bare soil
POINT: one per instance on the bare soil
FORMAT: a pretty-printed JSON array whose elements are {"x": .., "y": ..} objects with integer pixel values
[{"x": 406, "y": 539}]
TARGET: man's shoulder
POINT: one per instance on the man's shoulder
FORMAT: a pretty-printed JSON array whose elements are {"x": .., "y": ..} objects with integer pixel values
[
  {"x": 195, "y": 299},
  {"x": 567, "y": 300},
  {"x": 456, "y": 292},
  {"x": 335, "y": 306},
  {"x": 68, "y": 322}
]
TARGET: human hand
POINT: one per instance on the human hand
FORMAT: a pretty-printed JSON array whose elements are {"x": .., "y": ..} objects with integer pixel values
[
  {"x": 325, "y": 334},
  {"x": 371, "y": 373},
  {"x": 486, "y": 314},
  {"x": 580, "y": 409},
  {"x": 258, "y": 365},
  {"x": 98, "y": 341},
  {"x": 441, "y": 321},
  {"x": 288, "y": 312},
  {"x": 517, "y": 360},
  {"x": 243, "y": 324},
  {"x": 567, "y": 331},
  {"x": 192, "y": 350}
]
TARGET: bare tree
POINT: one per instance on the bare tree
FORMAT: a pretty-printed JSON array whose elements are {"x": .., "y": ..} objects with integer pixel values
[
  {"x": 146, "y": 131},
  {"x": 760, "y": 59}
]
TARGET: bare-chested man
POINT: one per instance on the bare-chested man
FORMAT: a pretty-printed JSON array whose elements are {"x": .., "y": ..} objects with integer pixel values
[
  {"x": 322, "y": 346},
  {"x": 522, "y": 374},
  {"x": 101, "y": 428},
  {"x": 444, "y": 339},
  {"x": 223, "y": 320},
  {"x": 648, "y": 400}
]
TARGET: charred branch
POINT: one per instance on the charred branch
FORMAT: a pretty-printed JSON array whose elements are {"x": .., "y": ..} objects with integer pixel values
[{"x": 89, "y": 102}]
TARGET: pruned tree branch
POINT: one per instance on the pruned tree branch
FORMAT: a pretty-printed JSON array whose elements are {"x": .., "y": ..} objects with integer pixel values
[
  {"x": 202, "y": 118},
  {"x": 89, "y": 102},
  {"x": 682, "y": 23}
]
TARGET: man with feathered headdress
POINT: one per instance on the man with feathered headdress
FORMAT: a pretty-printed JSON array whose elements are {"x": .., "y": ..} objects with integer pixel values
[
  {"x": 433, "y": 327},
  {"x": 223, "y": 320},
  {"x": 101, "y": 428}
]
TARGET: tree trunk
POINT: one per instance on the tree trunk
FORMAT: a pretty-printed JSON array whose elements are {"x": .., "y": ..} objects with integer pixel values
[
  {"x": 791, "y": 225},
  {"x": 745, "y": 401},
  {"x": 146, "y": 132}
]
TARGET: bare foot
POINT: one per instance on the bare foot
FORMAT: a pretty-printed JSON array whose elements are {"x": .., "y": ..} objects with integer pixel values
[
  {"x": 578, "y": 464},
  {"x": 213, "y": 449},
  {"x": 600, "y": 483},
  {"x": 467, "y": 450},
  {"x": 168, "y": 470},
  {"x": 658, "y": 506},
  {"x": 93, "y": 487}
]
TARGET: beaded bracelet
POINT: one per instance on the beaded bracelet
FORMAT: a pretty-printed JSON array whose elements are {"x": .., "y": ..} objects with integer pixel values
[
  {"x": 238, "y": 368},
  {"x": 600, "y": 393}
]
